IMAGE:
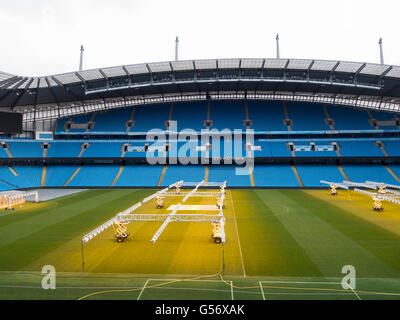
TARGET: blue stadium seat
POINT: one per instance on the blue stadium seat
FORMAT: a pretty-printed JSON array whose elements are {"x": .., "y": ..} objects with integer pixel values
[
  {"x": 267, "y": 116},
  {"x": 190, "y": 115},
  {"x": 5, "y": 187},
  {"x": 280, "y": 149},
  {"x": 347, "y": 118},
  {"x": 150, "y": 117},
  {"x": 3, "y": 153},
  {"x": 312, "y": 174},
  {"x": 103, "y": 149},
  {"x": 57, "y": 176},
  {"x": 358, "y": 148},
  {"x": 28, "y": 176},
  {"x": 95, "y": 176},
  {"x": 274, "y": 175},
  {"x": 188, "y": 173},
  {"x": 227, "y": 115},
  {"x": 64, "y": 149},
  {"x": 139, "y": 176},
  {"x": 382, "y": 116},
  {"x": 396, "y": 170},
  {"x": 220, "y": 173},
  {"x": 114, "y": 120},
  {"x": 306, "y": 116},
  {"x": 392, "y": 147},
  {"x": 370, "y": 172},
  {"x": 29, "y": 149}
]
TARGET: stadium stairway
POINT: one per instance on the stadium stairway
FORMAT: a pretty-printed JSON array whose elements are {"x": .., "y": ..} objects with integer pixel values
[
  {"x": 81, "y": 152},
  {"x": 382, "y": 147},
  {"x": 121, "y": 168},
  {"x": 285, "y": 112},
  {"x": 7, "y": 186},
  {"x": 44, "y": 173},
  {"x": 246, "y": 113},
  {"x": 328, "y": 119},
  {"x": 131, "y": 120},
  {"x": 13, "y": 171},
  {"x": 92, "y": 118},
  {"x": 251, "y": 173},
  {"x": 296, "y": 173},
  {"x": 340, "y": 167},
  {"x": 394, "y": 175},
  {"x": 73, "y": 176},
  {"x": 206, "y": 174},
  {"x": 162, "y": 175},
  {"x": 7, "y": 150}
]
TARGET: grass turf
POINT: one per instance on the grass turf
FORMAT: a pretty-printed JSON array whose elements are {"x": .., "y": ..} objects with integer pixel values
[{"x": 281, "y": 244}]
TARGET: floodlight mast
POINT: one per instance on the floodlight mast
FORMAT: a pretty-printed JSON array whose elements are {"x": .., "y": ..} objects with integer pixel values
[
  {"x": 81, "y": 59},
  {"x": 381, "y": 50},
  {"x": 277, "y": 46},
  {"x": 176, "y": 48}
]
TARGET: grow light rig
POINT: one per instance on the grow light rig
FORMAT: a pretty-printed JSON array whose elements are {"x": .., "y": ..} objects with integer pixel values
[{"x": 123, "y": 218}]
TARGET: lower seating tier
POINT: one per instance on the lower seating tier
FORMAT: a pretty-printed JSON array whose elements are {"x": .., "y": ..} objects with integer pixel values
[{"x": 263, "y": 175}]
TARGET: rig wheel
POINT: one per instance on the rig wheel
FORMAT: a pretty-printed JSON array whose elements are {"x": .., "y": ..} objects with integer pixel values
[{"x": 217, "y": 240}]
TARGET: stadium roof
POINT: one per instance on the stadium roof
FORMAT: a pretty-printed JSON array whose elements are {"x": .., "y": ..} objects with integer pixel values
[{"x": 350, "y": 83}]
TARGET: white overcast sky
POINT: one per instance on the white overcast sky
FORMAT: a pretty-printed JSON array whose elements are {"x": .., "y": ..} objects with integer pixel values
[{"x": 43, "y": 37}]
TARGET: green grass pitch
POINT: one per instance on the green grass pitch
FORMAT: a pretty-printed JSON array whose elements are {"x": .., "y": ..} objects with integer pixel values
[{"x": 281, "y": 244}]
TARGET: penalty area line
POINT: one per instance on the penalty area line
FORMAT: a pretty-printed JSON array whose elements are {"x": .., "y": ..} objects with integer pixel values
[
  {"x": 354, "y": 291},
  {"x": 262, "y": 290},
  {"x": 141, "y": 291}
]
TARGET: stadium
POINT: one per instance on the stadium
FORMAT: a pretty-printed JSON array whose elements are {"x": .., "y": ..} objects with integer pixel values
[{"x": 291, "y": 165}]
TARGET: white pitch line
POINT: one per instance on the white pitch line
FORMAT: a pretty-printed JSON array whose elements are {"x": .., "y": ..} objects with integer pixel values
[
  {"x": 237, "y": 232},
  {"x": 299, "y": 282},
  {"x": 354, "y": 291},
  {"x": 262, "y": 290},
  {"x": 185, "y": 280},
  {"x": 232, "y": 291},
  {"x": 306, "y": 282},
  {"x": 141, "y": 291}
]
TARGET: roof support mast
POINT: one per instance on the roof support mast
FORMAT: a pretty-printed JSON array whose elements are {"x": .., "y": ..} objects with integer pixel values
[
  {"x": 81, "y": 59},
  {"x": 176, "y": 48},
  {"x": 277, "y": 46},
  {"x": 381, "y": 50}
]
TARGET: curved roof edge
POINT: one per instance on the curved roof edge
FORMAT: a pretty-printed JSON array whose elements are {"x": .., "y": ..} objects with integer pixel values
[
  {"x": 253, "y": 74},
  {"x": 365, "y": 68}
]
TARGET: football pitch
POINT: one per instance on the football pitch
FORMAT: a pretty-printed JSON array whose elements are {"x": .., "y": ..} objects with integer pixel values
[{"x": 280, "y": 244}]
